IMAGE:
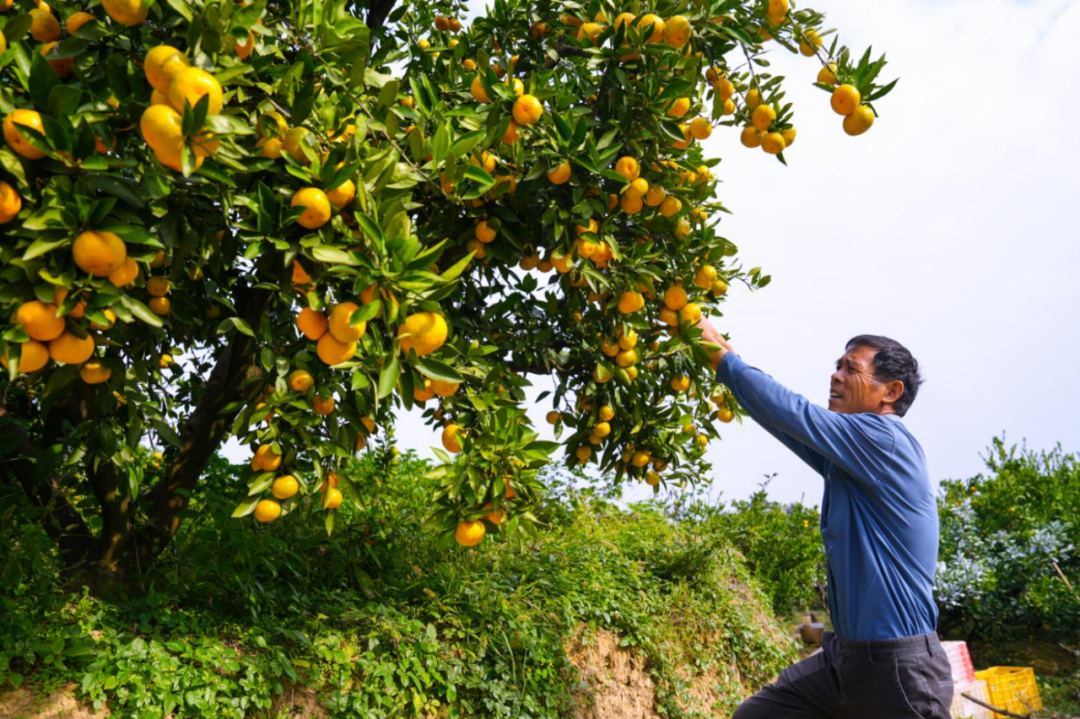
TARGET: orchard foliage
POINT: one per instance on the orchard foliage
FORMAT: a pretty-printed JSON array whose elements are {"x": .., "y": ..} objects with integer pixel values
[{"x": 287, "y": 222}]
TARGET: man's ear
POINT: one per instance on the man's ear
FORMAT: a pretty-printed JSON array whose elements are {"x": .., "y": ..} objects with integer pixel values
[{"x": 893, "y": 391}]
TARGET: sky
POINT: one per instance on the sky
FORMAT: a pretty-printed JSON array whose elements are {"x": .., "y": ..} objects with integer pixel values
[{"x": 946, "y": 227}]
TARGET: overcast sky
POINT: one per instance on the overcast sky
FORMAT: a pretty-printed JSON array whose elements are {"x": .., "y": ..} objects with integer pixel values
[{"x": 948, "y": 226}]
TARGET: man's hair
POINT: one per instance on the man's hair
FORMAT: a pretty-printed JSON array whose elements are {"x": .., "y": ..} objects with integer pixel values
[{"x": 892, "y": 362}]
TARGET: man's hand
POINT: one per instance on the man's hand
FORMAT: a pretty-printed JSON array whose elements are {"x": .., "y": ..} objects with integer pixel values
[{"x": 713, "y": 339}]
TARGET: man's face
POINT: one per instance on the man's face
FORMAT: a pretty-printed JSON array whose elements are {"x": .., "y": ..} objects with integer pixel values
[{"x": 853, "y": 388}]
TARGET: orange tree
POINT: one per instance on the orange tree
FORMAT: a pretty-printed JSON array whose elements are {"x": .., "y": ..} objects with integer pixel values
[{"x": 328, "y": 212}]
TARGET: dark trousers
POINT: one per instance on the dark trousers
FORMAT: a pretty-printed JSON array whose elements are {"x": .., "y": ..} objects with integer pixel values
[{"x": 887, "y": 679}]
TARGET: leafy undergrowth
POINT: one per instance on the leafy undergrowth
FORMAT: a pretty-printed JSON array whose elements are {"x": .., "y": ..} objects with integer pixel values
[{"x": 380, "y": 622}]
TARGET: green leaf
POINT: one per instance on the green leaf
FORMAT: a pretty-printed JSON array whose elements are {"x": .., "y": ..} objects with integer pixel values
[
  {"x": 239, "y": 324},
  {"x": 388, "y": 378},
  {"x": 140, "y": 310},
  {"x": 438, "y": 370},
  {"x": 42, "y": 80},
  {"x": 333, "y": 255},
  {"x": 115, "y": 186},
  {"x": 16, "y": 27},
  {"x": 479, "y": 175},
  {"x": 464, "y": 144},
  {"x": 440, "y": 144},
  {"x": 41, "y": 246},
  {"x": 245, "y": 507}
]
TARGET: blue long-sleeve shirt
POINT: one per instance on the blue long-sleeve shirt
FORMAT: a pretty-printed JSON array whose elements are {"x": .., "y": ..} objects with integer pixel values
[{"x": 879, "y": 518}]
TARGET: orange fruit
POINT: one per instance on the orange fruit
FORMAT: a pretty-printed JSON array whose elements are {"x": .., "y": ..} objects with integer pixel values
[
  {"x": 678, "y": 107},
  {"x": 244, "y": 49},
  {"x": 631, "y": 302},
  {"x": 810, "y": 43},
  {"x": 126, "y": 12},
  {"x": 39, "y": 320},
  {"x": 763, "y": 117},
  {"x": 687, "y": 138},
  {"x": 312, "y": 323},
  {"x": 527, "y": 110},
  {"x": 657, "y": 23},
  {"x": 162, "y": 128},
  {"x": 655, "y": 195},
  {"x": 190, "y": 85},
  {"x": 424, "y": 332},
  {"x": 99, "y": 253},
  {"x": 691, "y": 313},
  {"x": 333, "y": 352},
  {"x": 18, "y": 141},
  {"x": 60, "y": 295},
  {"x": 845, "y": 99},
  {"x": 705, "y": 276},
  {"x": 266, "y": 458},
  {"x": 670, "y": 206},
  {"x": 484, "y": 233},
  {"x": 339, "y": 325},
  {"x": 628, "y": 167},
  {"x": 69, "y": 349},
  {"x": 332, "y": 498},
  {"x": 477, "y": 90},
  {"x": 675, "y": 297},
  {"x": 827, "y": 75},
  {"x": 33, "y": 355},
  {"x": 680, "y": 383},
  {"x": 773, "y": 143},
  {"x": 158, "y": 286},
  {"x": 126, "y": 273},
  {"x": 623, "y": 19},
  {"x": 583, "y": 453},
  {"x": 495, "y": 517},
  {"x": 293, "y": 143},
  {"x": 469, "y": 534},
  {"x": 750, "y": 137},
  {"x": 285, "y": 486},
  {"x": 160, "y": 305},
  {"x": 560, "y": 174},
  {"x": 592, "y": 30},
  {"x": 44, "y": 27},
  {"x": 162, "y": 64},
  {"x": 110, "y": 317},
  {"x": 859, "y": 121},
  {"x": 700, "y": 128},
  {"x": 316, "y": 207},
  {"x": 450, "y": 438},
  {"x": 753, "y": 98},
  {"x": 342, "y": 195},
  {"x": 10, "y": 203},
  {"x": 94, "y": 372},
  {"x": 677, "y": 31},
  {"x": 267, "y": 510},
  {"x": 725, "y": 415},
  {"x": 719, "y": 288},
  {"x": 511, "y": 134},
  {"x": 61, "y": 67},
  {"x": 300, "y": 381},
  {"x": 443, "y": 388},
  {"x": 631, "y": 205},
  {"x": 323, "y": 406},
  {"x": 77, "y": 20},
  {"x": 789, "y": 137},
  {"x": 626, "y": 358}
]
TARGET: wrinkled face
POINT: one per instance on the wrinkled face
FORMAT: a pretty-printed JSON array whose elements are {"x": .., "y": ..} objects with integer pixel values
[{"x": 853, "y": 388}]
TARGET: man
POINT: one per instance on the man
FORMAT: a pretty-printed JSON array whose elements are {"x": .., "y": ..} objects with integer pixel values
[{"x": 879, "y": 524}]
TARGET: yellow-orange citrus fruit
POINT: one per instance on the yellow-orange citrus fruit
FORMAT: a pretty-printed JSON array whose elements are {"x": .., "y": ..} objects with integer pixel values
[
  {"x": 591, "y": 30},
  {"x": 691, "y": 312},
  {"x": 312, "y": 323},
  {"x": 333, "y": 352},
  {"x": 162, "y": 128},
  {"x": 477, "y": 90},
  {"x": 94, "y": 372},
  {"x": 442, "y": 388},
  {"x": 859, "y": 121},
  {"x": 719, "y": 288},
  {"x": 190, "y": 85},
  {"x": 677, "y": 31},
  {"x": 424, "y": 332},
  {"x": 583, "y": 453},
  {"x": 678, "y": 107},
  {"x": 423, "y": 393},
  {"x": 700, "y": 128},
  {"x": 266, "y": 458},
  {"x": 527, "y": 110},
  {"x": 161, "y": 65},
  {"x": 450, "y": 438},
  {"x": 553, "y": 417},
  {"x": 44, "y": 27},
  {"x": 61, "y": 67},
  {"x": 126, "y": 12},
  {"x": 69, "y": 349},
  {"x": 10, "y": 202},
  {"x": 158, "y": 286},
  {"x": 626, "y": 358},
  {"x": 126, "y": 273},
  {"x": 680, "y": 383},
  {"x": 495, "y": 517},
  {"x": 293, "y": 143},
  {"x": 845, "y": 99},
  {"x": 511, "y": 134},
  {"x": 631, "y": 302},
  {"x": 267, "y": 510},
  {"x": 763, "y": 117},
  {"x": 827, "y": 75},
  {"x": 675, "y": 297},
  {"x": 657, "y": 24},
  {"x": 323, "y": 406},
  {"x": 631, "y": 205},
  {"x": 342, "y": 195},
  {"x": 33, "y": 355},
  {"x": 340, "y": 327},
  {"x": 39, "y": 320},
  {"x": 332, "y": 498},
  {"x": 772, "y": 143},
  {"x": 670, "y": 206},
  {"x": 285, "y": 486},
  {"x": 725, "y": 415},
  {"x": 789, "y": 137},
  {"x": 18, "y": 141},
  {"x": 809, "y": 44},
  {"x": 77, "y": 20},
  {"x": 159, "y": 305},
  {"x": 316, "y": 207},
  {"x": 687, "y": 137},
  {"x": 469, "y": 534},
  {"x": 628, "y": 167},
  {"x": 705, "y": 276},
  {"x": 110, "y": 318},
  {"x": 484, "y": 233},
  {"x": 627, "y": 340},
  {"x": 560, "y": 174},
  {"x": 300, "y": 380},
  {"x": 753, "y": 98},
  {"x": 99, "y": 253},
  {"x": 655, "y": 195},
  {"x": 750, "y": 137},
  {"x": 271, "y": 147}
]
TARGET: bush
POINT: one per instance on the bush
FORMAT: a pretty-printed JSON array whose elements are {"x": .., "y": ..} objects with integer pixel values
[
  {"x": 1007, "y": 538},
  {"x": 378, "y": 619}
]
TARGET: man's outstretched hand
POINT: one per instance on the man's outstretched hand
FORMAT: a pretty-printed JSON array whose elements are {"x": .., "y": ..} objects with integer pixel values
[{"x": 715, "y": 342}]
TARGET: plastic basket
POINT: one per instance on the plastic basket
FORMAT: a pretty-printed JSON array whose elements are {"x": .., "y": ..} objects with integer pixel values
[
  {"x": 963, "y": 708},
  {"x": 960, "y": 661},
  {"x": 1012, "y": 688}
]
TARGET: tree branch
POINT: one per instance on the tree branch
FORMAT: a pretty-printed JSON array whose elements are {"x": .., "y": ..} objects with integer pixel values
[{"x": 378, "y": 12}]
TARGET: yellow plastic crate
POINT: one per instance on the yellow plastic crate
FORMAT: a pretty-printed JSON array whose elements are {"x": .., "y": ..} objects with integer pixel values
[{"x": 1012, "y": 688}]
